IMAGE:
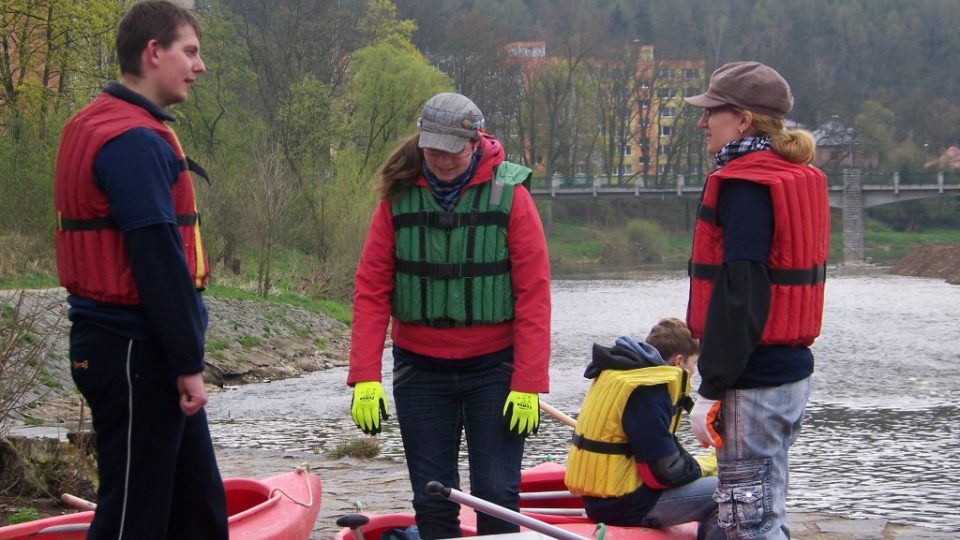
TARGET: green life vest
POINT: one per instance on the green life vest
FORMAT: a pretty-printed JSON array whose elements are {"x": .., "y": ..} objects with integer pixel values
[{"x": 452, "y": 267}]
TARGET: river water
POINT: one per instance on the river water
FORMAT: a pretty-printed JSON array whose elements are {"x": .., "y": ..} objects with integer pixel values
[{"x": 882, "y": 433}]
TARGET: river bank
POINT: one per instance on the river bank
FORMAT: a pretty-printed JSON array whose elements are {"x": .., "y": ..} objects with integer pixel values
[
  {"x": 258, "y": 437},
  {"x": 933, "y": 261}
]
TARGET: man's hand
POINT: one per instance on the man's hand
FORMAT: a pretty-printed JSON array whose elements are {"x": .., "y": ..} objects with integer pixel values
[
  {"x": 705, "y": 420},
  {"x": 369, "y": 404},
  {"x": 193, "y": 394},
  {"x": 521, "y": 413}
]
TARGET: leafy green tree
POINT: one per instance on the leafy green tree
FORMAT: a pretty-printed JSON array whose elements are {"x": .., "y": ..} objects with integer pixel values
[{"x": 388, "y": 88}]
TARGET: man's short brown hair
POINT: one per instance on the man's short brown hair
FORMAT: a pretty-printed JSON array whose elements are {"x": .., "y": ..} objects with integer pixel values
[
  {"x": 671, "y": 336},
  {"x": 152, "y": 19}
]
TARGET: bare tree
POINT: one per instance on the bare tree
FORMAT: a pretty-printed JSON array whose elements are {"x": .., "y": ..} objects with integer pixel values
[
  {"x": 29, "y": 327},
  {"x": 270, "y": 192}
]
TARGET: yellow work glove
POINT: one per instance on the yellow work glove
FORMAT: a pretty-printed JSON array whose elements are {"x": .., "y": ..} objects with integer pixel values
[
  {"x": 521, "y": 413},
  {"x": 369, "y": 403}
]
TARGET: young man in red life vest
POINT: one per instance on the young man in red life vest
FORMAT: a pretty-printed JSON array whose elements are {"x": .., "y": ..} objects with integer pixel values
[{"x": 129, "y": 253}]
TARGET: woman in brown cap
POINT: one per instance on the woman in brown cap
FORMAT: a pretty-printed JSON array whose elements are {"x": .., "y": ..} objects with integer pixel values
[{"x": 756, "y": 291}]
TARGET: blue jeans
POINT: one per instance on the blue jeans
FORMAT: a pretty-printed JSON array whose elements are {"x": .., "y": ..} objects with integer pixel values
[
  {"x": 689, "y": 502},
  {"x": 759, "y": 426},
  {"x": 434, "y": 409}
]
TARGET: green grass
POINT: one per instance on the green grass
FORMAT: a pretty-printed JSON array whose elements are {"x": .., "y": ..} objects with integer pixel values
[
  {"x": 572, "y": 245},
  {"x": 337, "y": 310},
  {"x": 885, "y": 245},
  {"x": 33, "y": 281},
  {"x": 31, "y": 421},
  {"x": 215, "y": 345},
  {"x": 49, "y": 380},
  {"x": 22, "y": 516},
  {"x": 248, "y": 342}
]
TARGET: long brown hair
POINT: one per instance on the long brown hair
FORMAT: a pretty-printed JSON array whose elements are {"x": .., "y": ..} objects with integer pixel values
[{"x": 402, "y": 168}]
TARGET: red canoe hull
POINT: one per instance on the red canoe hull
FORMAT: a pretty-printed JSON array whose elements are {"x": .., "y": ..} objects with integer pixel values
[
  {"x": 546, "y": 480},
  {"x": 282, "y": 507}
]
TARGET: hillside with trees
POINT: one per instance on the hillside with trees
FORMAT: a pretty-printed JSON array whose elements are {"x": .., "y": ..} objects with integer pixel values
[{"x": 304, "y": 98}]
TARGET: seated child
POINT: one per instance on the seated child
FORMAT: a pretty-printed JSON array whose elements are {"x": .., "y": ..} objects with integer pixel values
[{"x": 625, "y": 459}]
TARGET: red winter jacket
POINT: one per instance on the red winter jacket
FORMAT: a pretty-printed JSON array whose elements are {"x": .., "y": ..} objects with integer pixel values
[{"x": 528, "y": 333}]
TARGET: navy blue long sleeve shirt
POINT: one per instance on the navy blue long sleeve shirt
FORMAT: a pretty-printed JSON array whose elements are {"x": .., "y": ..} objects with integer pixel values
[
  {"x": 136, "y": 171},
  {"x": 730, "y": 354}
]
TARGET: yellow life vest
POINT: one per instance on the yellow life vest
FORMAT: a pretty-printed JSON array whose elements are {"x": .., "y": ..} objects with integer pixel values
[{"x": 600, "y": 462}]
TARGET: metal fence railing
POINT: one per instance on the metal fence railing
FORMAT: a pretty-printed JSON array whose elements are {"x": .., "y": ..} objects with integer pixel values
[{"x": 672, "y": 181}]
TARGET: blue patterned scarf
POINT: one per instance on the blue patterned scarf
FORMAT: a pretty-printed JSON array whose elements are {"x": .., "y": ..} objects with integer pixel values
[
  {"x": 739, "y": 148},
  {"x": 447, "y": 193}
]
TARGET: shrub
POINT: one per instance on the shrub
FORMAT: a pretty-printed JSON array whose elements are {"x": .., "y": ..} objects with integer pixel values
[
  {"x": 647, "y": 238},
  {"x": 29, "y": 326},
  {"x": 366, "y": 447},
  {"x": 638, "y": 241}
]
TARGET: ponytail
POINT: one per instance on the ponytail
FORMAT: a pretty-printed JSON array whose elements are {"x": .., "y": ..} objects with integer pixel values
[{"x": 795, "y": 146}]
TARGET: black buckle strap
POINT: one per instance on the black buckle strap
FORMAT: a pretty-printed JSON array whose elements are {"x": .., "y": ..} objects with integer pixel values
[
  {"x": 808, "y": 276},
  {"x": 601, "y": 447},
  {"x": 778, "y": 276},
  {"x": 450, "y": 220},
  {"x": 707, "y": 213},
  {"x": 107, "y": 222},
  {"x": 452, "y": 270},
  {"x": 188, "y": 164}
]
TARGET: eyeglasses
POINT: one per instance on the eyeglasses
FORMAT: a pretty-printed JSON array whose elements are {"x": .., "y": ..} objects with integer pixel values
[{"x": 709, "y": 111}]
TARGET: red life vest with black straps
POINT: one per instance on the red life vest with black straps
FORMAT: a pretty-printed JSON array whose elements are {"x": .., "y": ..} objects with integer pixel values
[
  {"x": 798, "y": 250},
  {"x": 91, "y": 259}
]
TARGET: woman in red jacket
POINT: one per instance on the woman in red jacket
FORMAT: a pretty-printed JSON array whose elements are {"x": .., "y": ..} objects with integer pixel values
[{"x": 456, "y": 258}]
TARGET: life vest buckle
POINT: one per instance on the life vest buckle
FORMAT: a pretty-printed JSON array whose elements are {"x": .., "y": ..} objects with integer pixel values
[{"x": 446, "y": 220}]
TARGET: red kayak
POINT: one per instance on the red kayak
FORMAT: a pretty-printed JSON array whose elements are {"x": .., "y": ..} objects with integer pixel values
[
  {"x": 543, "y": 496},
  {"x": 281, "y": 507}
]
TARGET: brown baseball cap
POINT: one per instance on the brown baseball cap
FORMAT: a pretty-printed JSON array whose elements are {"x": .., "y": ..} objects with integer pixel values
[
  {"x": 751, "y": 86},
  {"x": 448, "y": 122}
]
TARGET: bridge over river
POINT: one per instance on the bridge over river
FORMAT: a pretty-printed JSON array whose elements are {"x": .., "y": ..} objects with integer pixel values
[{"x": 851, "y": 195}]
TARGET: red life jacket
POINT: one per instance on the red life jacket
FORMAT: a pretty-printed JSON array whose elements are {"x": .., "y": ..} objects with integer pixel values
[
  {"x": 798, "y": 250},
  {"x": 91, "y": 259}
]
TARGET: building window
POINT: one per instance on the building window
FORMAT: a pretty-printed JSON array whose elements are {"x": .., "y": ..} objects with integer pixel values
[
  {"x": 665, "y": 93},
  {"x": 627, "y": 150},
  {"x": 691, "y": 74},
  {"x": 690, "y": 91},
  {"x": 666, "y": 131},
  {"x": 669, "y": 112},
  {"x": 644, "y": 103},
  {"x": 665, "y": 73},
  {"x": 665, "y": 149}
]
